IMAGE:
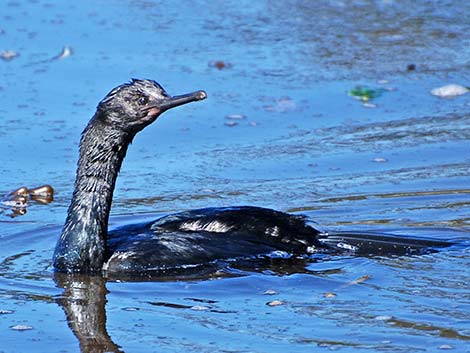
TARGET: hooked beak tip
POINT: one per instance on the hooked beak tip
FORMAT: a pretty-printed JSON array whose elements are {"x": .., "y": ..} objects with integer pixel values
[{"x": 201, "y": 95}]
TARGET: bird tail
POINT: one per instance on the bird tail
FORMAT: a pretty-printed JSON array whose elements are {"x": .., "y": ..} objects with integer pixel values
[{"x": 377, "y": 244}]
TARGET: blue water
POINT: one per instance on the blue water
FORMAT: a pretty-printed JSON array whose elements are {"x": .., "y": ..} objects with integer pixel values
[{"x": 304, "y": 146}]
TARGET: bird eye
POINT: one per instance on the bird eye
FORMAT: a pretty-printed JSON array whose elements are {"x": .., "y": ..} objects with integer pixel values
[{"x": 143, "y": 100}]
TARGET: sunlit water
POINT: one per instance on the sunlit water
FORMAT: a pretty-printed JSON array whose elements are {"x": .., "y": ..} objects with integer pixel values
[{"x": 304, "y": 146}]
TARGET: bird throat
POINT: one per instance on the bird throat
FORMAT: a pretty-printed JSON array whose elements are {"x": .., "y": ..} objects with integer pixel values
[{"x": 82, "y": 245}]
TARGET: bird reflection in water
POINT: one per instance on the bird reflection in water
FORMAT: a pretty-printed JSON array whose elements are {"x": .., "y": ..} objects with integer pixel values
[{"x": 83, "y": 301}]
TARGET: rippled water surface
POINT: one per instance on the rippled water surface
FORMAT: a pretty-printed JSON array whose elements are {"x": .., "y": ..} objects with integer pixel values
[{"x": 398, "y": 164}]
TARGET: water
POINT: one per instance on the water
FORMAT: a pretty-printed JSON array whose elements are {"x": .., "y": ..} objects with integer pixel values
[{"x": 305, "y": 146}]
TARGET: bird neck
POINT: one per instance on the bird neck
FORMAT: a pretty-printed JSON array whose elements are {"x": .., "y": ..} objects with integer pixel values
[{"x": 82, "y": 244}]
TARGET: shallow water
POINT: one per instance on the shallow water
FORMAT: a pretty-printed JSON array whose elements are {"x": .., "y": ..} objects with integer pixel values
[{"x": 304, "y": 146}]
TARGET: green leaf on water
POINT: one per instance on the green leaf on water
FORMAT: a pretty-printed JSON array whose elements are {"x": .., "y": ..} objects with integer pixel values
[{"x": 365, "y": 93}]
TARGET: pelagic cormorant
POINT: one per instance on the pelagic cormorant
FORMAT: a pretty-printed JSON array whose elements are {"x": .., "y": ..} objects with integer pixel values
[{"x": 178, "y": 241}]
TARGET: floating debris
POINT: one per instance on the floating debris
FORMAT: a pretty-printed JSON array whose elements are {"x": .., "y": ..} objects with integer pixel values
[
  {"x": 383, "y": 318},
  {"x": 446, "y": 346},
  {"x": 220, "y": 64},
  {"x": 6, "y": 311},
  {"x": 410, "y": 67},
  {"x": 369, "y": 105},
  {"x": 199, "y": 308},
  {"x": 230, "y": 123},
  {"x": 330, "y": 295},
  {"x": 450, "y": 91},
  {"x": 43, "y": 194},
  {"x": 270, "y": 292},
  {"x": 17, "y": 200},
  {"x": 379, "y": 160},
  {"x": 275, "y": 303},
  {"x": 21, "y": 327},
  {"x": 356, "y": 281},
  {"x": 361, "y": 279},
  {"x": 365, "y": 94},
  {"x": 65, "y": 53},
  {"x": 8, "y": 55},
  {"x": 22, "y": 191},
  {"x": 236, "y": 117}
]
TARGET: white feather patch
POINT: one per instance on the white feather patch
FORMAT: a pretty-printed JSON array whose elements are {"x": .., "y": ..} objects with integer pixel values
[{"x": 213, "y": 226}]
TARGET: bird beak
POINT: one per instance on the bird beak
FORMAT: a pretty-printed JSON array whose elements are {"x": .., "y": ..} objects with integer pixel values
[{"x": 175, "y": 101}]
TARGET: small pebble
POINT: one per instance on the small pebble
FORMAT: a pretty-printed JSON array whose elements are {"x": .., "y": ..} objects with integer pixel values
[
  {"x": 21, "y": 327},
  {"x": 275, "y": 303},
  {"x": 270, "y": 292},
  {"x": 449, "y": 91}
]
